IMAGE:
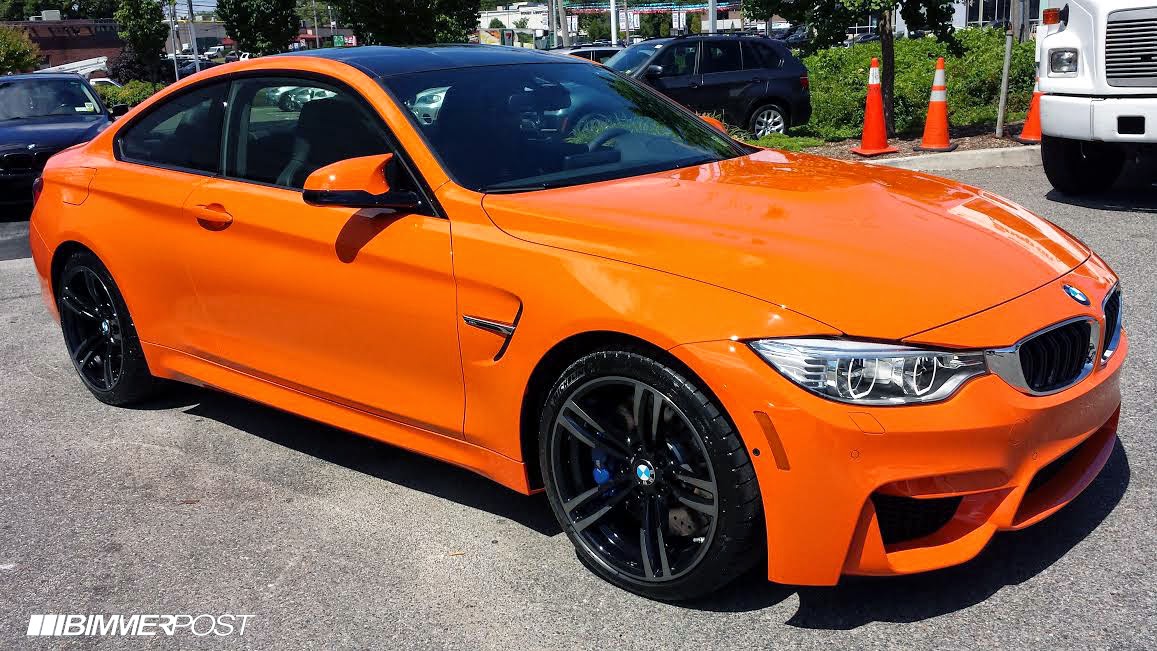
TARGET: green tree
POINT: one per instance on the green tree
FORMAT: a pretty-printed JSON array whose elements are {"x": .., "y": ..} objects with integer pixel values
[
  {"x": 597, "y": 26},
  {"x": 17, "y": 52},
  {"x": 93, "y": 9},
  {"x": 655, "y": 25},
  {"x": 828, "y": 21},
  {"x": 410, "y": 22},
  {"x": 521, "y": 23},
  {"x": 141, "y": 25},
  {"x": 496, "y": 24},
  {"x": 694, "y": 23},
  {"x": 260, "y": 26}
]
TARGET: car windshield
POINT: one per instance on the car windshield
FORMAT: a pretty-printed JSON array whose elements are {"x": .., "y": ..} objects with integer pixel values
[
  {"x": 22, "y": 99},
  {"x": 628, "y": 60},
  {"x": 529, "y": 127}
]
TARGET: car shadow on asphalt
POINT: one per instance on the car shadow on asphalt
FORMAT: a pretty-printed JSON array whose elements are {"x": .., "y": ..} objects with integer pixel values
[
  {"x": 362, "y": 454},
  {"x": 1135, "y": 191},
  {"x": 1010, "y": 559}
]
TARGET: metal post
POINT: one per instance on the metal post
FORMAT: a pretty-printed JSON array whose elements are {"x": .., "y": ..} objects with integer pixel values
[
  {"x": 627, "y": 29},
  {"x": 332, "y": 27},
  {"x": 615, "y": 23},
  {"x": 1004, "y": 82},
  {"x": 712, "y": 11},
  {"x": 176, "y": 35},
  {"x": 316, "y": 34},
  {"x": 550, "y": 24},
  {"x": 193, "y": 39}
]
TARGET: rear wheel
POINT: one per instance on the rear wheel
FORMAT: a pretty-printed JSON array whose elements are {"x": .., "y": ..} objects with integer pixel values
[
  {"x": 768, "y": 119},
  {"x": 648, "y": 477},
  {"x": 1079, "y": 166},
  {"x": 99, "y": 333}
]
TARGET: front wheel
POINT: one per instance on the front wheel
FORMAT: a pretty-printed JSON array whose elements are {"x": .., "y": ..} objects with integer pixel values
[
  {"x": 648, "y": 477},
  {"x": 1079, "y": 166}
]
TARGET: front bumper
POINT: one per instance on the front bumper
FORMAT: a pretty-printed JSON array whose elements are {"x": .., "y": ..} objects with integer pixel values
[
  {"x": 1100, "y": 118},
  {"x": 896, "y": 490}
]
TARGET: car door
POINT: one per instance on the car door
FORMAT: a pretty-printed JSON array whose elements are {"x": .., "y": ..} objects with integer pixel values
[
  {"x": 355, "y": 306},
  {"x": 676, "y": 77},
  {"x": 162, "y": 155},
  {"x": 726, "y": 84}
]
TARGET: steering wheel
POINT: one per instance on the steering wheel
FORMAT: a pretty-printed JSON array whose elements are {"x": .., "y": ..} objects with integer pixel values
[{"x": 603, "y": 137}]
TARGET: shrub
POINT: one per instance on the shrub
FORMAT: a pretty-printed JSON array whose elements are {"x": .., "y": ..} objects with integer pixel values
[
  {"x": 132, "y": 93},
  {"x": 839, "y": 82}
]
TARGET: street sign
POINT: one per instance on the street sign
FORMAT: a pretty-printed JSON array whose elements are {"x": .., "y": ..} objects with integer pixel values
[{"x": 338, "y": 40}]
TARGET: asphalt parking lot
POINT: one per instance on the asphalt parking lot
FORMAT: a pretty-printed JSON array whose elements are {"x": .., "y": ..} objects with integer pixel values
[{"x": 205, "y": 503}]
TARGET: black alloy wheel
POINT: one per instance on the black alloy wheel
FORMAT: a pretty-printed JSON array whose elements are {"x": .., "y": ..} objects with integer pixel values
[
  {"x": 98, "y": 333},
  {"x": 635, "y": 471},
  {"x": 92, "y": 328}
]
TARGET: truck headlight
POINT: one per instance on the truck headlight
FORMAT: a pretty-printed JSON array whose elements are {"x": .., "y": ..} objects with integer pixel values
[
  {"x": 1063, "y": 61},
  {"x": 869, "y": 373}
]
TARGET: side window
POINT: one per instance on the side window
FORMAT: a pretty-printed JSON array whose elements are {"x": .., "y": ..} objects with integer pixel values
[
  {"x": 283, "y": 129},
  {"x": 720, "y": 56},
  {"x": 183, "y": 132},
  {"x": 770, "y": 55},
  {"x": 753, "y": 57},
  {"x": 678, "y": 59},
  {"x": 603, "y": 55}
]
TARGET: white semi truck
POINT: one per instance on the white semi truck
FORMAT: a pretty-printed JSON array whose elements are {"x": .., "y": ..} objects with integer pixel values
[{"x": 1098, "y": 70}]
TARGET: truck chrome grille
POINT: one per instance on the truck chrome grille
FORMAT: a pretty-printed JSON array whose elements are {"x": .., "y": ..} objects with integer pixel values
[{"x": 1131, "y": 48}]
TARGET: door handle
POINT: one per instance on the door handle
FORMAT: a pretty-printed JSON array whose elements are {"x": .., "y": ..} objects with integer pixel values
[{"x": 213, "y": 214}]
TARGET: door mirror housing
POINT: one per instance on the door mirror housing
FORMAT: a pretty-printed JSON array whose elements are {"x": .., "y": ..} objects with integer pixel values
[
  {"x": 652, "y": 72},
  {"x": 713, "y": 121},
  {"x": 118, "y": 110},
  {"x": 357, "y": 183}
]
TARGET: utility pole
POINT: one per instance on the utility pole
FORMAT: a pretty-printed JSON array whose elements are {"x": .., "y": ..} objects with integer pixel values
[
  {"x": 615, "y": 23},
  {"x": 627, "y": 29},
  {"x": 332, "y": 25},
  {"x": 712, "y": 11},
  {"x": 193, "y": 39},
  {"x": 550, "y": 24},
  {"x": 316, "y": 33},
  {"x": 564, "y": 24},
  {"x": 176, "y": 35}
]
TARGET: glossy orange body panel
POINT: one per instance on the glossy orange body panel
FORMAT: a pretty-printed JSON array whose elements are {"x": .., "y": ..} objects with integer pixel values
[{"x": 355, "y": 318}]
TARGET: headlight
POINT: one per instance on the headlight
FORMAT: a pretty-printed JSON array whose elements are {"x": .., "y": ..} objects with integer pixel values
[
  {"x": 869, "y": 373},
  {"x": 1063, "y": 61}
]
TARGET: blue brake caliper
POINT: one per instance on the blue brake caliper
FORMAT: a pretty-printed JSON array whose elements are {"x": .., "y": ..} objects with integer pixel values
[{"x": 602, "y": 473}]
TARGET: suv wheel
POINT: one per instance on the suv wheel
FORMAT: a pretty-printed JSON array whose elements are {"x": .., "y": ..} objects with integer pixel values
[{"x": 768, "y": 119}]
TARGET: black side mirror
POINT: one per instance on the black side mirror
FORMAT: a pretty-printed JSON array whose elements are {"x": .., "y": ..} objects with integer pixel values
[
  {"x": 400, "y": 200},
  {"x": 117, "y": 110},
  {"x": 653, "y": 71}
]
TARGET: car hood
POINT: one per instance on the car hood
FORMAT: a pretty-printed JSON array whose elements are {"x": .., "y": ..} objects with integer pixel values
[
  {"x": 49, "y": 132},
  {"x": 869, "y": 250}
]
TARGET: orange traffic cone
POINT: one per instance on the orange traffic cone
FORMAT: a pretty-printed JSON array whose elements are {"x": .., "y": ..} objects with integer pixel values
[
  {"x": 1030, "y": 133},
  {"x": 936, "y": 125},
  {"x": 874, "y": 140}
]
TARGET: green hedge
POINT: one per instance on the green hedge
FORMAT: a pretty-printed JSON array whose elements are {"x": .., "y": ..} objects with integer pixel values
[
  {"x": 132, "y": 93},
  {"x": 839, "y": 78}
]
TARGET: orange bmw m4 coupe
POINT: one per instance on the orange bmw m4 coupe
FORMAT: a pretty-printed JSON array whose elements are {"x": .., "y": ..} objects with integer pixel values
[{"x": 708, "y": 355}]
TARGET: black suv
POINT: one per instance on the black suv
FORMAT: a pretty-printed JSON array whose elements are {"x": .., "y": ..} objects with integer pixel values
[{"x": 755, "y": 82}]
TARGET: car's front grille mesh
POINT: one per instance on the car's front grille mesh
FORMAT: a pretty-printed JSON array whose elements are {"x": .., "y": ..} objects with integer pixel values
[
  {"x": 1112, "y": 321},
  {"x": 25, "y": 161},
  {"x": 908, "y": 518},
  {"x": 1054, "y": 359},
  {"x": 1131, "y": 47}
]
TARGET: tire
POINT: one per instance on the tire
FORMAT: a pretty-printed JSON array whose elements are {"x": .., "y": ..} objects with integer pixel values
[
  {"x": 1081, "y": 167},
  {"x": 99, "y": 333},
  {"x": 767, "y": 119},
  {"x": 668, "y": 508}
]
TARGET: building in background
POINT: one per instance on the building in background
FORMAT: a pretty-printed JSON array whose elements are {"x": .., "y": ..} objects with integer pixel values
[{"x": 67, "y": 41}]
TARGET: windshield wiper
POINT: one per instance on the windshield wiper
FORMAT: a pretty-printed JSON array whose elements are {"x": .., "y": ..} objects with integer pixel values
[{"x": 511, "y": 189}]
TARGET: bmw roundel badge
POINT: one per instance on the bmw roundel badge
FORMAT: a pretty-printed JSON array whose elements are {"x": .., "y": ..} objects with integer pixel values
[{"x": 1076, "y": 294}]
